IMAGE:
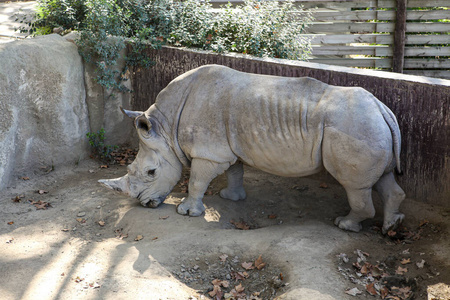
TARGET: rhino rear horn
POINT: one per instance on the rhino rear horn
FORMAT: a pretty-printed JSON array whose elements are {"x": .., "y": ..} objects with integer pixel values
[{"x": 131, "y": 114}]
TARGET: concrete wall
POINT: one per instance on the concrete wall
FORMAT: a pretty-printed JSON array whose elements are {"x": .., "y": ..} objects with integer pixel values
[
  {"x": 48, "y": 102},
  {"x": 421, "y": 104}
]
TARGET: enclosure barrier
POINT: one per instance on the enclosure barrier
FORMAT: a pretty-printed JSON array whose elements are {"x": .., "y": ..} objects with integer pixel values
[
  {"x": 406, "y": 36},
  {"x": 421, "y": 104}
]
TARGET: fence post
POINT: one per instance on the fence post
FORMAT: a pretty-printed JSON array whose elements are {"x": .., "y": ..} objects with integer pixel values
[{"x": 398, "y": 58}]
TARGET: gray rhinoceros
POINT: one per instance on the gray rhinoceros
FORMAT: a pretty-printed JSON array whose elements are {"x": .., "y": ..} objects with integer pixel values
[{"x": 215, "y": 119}]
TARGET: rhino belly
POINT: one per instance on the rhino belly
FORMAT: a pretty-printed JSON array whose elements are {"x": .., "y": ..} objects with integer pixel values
[{"x": 281, "y": 153}]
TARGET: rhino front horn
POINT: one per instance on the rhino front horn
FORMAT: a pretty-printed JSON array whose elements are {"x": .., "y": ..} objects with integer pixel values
[{"x": 118, "y": 184}]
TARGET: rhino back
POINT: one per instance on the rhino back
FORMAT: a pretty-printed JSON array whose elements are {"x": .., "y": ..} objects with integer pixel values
[{"x": 271, "y": 123}]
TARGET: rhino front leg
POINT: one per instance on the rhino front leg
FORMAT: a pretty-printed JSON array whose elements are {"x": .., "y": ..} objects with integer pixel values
[
  {"x": 202, "y": 172},
  {"x": 235, "y": 189}
]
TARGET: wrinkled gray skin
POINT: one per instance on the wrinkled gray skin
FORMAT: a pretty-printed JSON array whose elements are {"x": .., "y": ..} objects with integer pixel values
[{"x": 213, "y": 119}]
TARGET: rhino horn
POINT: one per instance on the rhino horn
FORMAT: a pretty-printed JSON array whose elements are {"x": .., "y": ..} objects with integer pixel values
[
  {"x": 131, "y": 113},
  {"x": 120, "y": 184}
]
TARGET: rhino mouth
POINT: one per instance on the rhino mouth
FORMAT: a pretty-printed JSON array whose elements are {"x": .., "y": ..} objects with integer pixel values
[{"x": 153, "y": 203}]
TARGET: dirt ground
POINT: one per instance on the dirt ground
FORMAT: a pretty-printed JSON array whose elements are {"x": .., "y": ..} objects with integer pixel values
[{"x": 64, "y": 236}]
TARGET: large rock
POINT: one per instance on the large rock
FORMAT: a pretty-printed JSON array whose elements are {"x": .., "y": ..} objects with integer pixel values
[{"x": 43, "y": 112}]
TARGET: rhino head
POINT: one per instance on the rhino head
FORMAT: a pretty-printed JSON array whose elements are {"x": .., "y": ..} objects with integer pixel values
[{"x": 156, "y": 169}]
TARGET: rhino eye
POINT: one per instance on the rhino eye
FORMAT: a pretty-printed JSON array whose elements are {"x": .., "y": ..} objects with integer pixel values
[{"x": 151, "y": 172}]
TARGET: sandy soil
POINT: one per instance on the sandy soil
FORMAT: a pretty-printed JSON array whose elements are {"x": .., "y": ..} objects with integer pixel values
[{"x": 93, "y": 243}]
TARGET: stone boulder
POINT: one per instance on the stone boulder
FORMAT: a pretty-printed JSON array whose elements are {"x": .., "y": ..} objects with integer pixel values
[{"x": 43, "y": 112}]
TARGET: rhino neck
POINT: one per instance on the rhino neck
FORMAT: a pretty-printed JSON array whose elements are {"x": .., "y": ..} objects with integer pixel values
[
  {"x": 169, "y": 126},
  {"x": 169, "y": 106}
]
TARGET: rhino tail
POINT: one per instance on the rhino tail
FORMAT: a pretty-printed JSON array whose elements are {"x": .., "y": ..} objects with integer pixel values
[{"x": 391, "y": 120}]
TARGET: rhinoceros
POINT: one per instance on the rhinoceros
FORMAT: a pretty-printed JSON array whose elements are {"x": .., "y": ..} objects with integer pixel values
[{"x": 214, "y": 119}]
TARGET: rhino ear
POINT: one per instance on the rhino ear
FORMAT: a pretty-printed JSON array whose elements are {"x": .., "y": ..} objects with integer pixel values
[
  {"x": 130, "y": 113},
  {"x": 144, "y": 124}
]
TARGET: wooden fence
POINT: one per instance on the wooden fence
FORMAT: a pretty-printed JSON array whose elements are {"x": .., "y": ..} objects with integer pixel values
[
  {"x": 421, "y": 104},
  {"x": 381, "y": 34}
]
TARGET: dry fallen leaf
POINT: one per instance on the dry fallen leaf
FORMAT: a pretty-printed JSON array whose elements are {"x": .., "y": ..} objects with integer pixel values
[
  {"x": 223, "y": 257},
  {"x": 240, "y": 225},
  {"x": 219, "y": 282},
  {"x": 323, "y": 185},
  {"x": 103, "y": 166},
  {"x": 78, "y": 279},
  {"x": 41, "y": 205},
  {"x": 139, "y": 237},
  {"x": 25, "y": 178},
  {"x": 120, "y": 235},
  {"x": 420, "y": 264},
  {"x": 366, "y": 268},
  {"x": 384, "y": 292},
  {"x": 101, "y": 223},
  {"x": 247, "y": 265},
  {"x": 41, "y": 192},
  {"x": 401, "y": 271},
  {"x": 18, "y": 198},
  {"x": 239, "y": 288},
  {"x": 155, "y": 238},
  {"x": 371, "y": 289},
  {"x": 94, "y": 285},
  {"x": 406, "y": 261},
  {"x": 423, "y": 222},
  {"x": 376, "y": 271},
  {"x": 392, "y": 233},
  {"x": 216, "y": 292},
  {"x": 272, "y": 216},
  {"x": 353, "y": 292},
  {"x": 163, "y": 218},
  {"x": 239, "y": 275},
  {"x": 10, "y": 223},
  {"x": 402, "y": 293},
  {"x": 259, "y": 264}
]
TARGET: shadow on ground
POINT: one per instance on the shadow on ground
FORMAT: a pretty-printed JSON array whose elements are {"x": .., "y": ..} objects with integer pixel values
[{"x": 93, "y": 243}]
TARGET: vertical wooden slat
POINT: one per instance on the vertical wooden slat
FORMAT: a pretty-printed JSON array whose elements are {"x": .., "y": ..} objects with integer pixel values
[{"x": 399, "y": 37}]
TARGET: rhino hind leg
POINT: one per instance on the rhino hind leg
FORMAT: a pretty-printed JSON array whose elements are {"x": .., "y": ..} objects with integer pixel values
[
  {"x": 361, "y": 204},
  {"x": 235, "y": 189},
  {"x": 357, "y": 165},
  {"x": 202, "y": 172},
  {"x": 392, "y": 195}
]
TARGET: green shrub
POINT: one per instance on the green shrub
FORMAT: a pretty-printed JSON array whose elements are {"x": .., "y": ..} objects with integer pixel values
[
  {"x": 258, "y": 27},
  {"x": 68, "y": 14},
  {"x": 99, "y": 149}
]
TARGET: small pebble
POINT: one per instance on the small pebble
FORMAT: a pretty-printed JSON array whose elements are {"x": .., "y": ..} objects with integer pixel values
[{"x": 81, "y": 214}]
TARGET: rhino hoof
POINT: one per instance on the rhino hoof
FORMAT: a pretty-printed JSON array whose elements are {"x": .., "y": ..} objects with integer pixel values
[
  {"x": 187, "y": 207},
  {"x": 234, "y": 195},
  {"x": 153, "y": 203},
  {"x": 347, "y": 224},
  {"x": 392, "y": 224},
  {"x": 181, "y": 210}
]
